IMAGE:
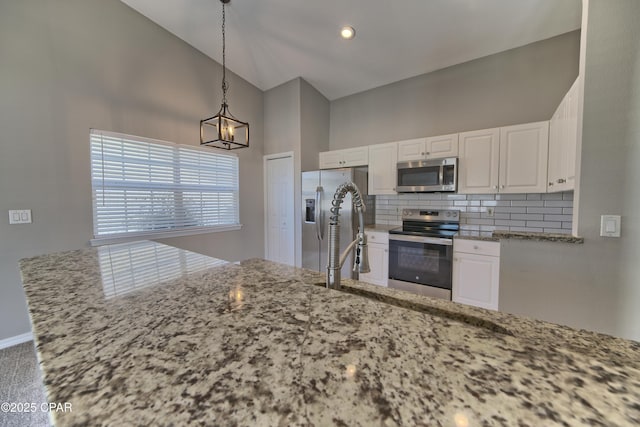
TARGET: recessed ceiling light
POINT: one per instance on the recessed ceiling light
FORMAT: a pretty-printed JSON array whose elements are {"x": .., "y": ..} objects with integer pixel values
[{"x": 347, "y": 32}]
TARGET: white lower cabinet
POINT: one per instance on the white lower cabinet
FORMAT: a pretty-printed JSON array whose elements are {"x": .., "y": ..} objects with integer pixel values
[
  {"x": 476, "y": 273},
  {"x": 378, "y": 243}
]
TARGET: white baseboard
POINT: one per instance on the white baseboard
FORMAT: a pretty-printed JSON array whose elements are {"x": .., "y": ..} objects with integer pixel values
[{"x": 18, "y": 339}]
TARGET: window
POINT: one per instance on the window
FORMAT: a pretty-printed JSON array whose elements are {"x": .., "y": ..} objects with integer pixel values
[{"x": 144, "y": 188}]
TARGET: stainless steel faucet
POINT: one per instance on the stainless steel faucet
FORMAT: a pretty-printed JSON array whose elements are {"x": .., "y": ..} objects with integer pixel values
[{"x": 361, "y": 261}]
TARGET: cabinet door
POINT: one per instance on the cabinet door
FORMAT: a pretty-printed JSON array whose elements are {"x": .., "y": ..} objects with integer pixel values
[
  {"x": 355, "y": 157},
  {"x": 476, "y": 280},
  {"x": 571, "y": 146},
  {"x": 478, "y": 163},
  {"x": 330, "y": 159},
  {"x": 379, "y": 263},
  {"x": 523, "y": 158},
  {"x": 556, "y": 150},
  {"x": 383, "y": 159},
  {"x": 442, "y": 146},
  {"x": 412, "y": 149}
]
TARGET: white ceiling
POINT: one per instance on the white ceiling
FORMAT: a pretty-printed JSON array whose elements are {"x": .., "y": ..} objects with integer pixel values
[{"x": 270, "y": 42}]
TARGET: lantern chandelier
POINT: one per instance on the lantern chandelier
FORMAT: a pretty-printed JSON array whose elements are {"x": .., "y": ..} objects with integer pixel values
[{"x": 223, "y": 130}]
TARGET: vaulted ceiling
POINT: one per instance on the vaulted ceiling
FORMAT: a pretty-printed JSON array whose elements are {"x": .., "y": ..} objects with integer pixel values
[{"x": 270, "y": 42}]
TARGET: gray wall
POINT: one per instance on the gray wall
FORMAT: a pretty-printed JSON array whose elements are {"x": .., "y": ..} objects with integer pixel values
[
  {"x": 296, "y": 119},
  {"x": 68, "y": 66},
  {"x": 595, "y": 285},
  {"x": 314, "y": 122},
  {"x": 517, "y": 86}
]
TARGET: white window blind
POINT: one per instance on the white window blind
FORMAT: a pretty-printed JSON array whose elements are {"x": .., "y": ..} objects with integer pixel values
[{"x": 144, "y": 187}]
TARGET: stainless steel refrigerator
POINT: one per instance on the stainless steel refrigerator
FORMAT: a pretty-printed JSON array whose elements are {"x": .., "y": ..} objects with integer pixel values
[{"x": 318, "y": 188}]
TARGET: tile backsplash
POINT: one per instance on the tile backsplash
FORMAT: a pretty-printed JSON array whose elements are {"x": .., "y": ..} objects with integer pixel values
[{"x": 549, "y": 213}]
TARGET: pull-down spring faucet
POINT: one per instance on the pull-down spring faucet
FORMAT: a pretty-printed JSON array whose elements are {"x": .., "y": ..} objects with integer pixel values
[{"x": 361, "y": 261}]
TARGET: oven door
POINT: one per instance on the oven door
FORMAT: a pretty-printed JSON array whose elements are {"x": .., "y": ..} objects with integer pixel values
[{"x": 421, "y": 260}]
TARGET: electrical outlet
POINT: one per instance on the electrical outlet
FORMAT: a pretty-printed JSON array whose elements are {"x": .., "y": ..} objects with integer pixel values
[
  {"x": 20, "y": 216},
  {"x": 490, "y": 211}
]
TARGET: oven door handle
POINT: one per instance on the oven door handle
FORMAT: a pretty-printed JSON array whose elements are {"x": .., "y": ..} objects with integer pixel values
[{"x": 421, "y": 239}]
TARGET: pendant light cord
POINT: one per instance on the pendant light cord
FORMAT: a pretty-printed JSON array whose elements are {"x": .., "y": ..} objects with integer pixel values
[{"x": 225, "y": 86}]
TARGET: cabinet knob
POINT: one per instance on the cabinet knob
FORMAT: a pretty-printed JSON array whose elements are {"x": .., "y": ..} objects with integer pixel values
[
  {"x": 561, "y": 181},
  {"x": 502, "y": 186},
  {"x": 422, "y": 153},
  {"x": 428, "y": 153},
  {"x": 551, "y": 184},
  {"x": 495, "y": 187}
]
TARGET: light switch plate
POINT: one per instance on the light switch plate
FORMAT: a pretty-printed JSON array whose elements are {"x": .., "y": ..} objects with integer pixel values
[
  {"x": 20, "y": 216},
  {"x": 610, "y": 225}
]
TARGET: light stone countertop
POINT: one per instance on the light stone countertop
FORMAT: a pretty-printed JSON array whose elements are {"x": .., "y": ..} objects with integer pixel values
[{"x": 146, "y": 334}]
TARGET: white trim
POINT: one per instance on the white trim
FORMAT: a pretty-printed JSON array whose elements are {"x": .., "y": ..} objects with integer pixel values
[
  {"x": 18, "y": 339},
  {"x": 132, "y": 237},
  {"x": 265, "y": 159}
]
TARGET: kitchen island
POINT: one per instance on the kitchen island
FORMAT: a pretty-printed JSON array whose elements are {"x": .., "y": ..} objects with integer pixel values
[{"x": 146, "y": 334}]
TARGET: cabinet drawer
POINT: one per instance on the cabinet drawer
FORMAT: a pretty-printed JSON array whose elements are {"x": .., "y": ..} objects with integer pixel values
[
  {"x": 380, "y": 237},
  {"x": 478, "y": 247}
]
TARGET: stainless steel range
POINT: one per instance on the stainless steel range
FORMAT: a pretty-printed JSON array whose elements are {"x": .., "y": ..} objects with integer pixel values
[{"x": 421, "y": 252}]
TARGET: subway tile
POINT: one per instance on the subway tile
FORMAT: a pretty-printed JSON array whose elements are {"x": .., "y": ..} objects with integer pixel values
[
  {"x": 460, "y": 203},
  {"x": 558, "y": 203},
  {"x": 471, "y": 215},
  {"x": 488, "y": 228},
  {"x": 568, "y": 195},
  {"x": 534, "y": 196},
  {"x": 497, "y": 216},
  {"x": 568, "y": 225},
  {"x": 470, "y": 227},
  {"x": 491, "y": 203},
  {"x": 475, "y": 209},
  {"x": 527, "y": 229},
  {"x": 510, "y": 223},
  {"x": 481, "y": 197},
  {"x": 539, "y": 203},
  {"x": 558, "y": 218},
  {"x": 454, "y": 197},
  {"x": 474, "y": 202},
  {"x": 500, "y": 209},
  {"x": 538, "y": 210},
  {"x": 380, "y": 201},
  {"x": 544, "y": 224},
  {"x": 552, "y": 196},
  {"x": 511, "y": 197},
  {"x": 567, "y": 211},
  {"x": 430, "y": 196},
  {"x": 502, "y": 227},
  {"x": 479, "y": 221},
  {"x": 528, "y": 217},
  {"x": 502, "y": 203}
]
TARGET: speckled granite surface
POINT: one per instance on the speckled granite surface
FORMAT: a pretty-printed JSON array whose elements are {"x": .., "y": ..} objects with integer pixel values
[
  {"x": 544, "y": 237},
  {"x": 476, "y": 235},
  {"x": 259, "y": 344}
]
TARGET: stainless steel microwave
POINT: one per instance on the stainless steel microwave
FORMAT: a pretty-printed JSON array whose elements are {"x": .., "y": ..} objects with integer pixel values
[{"x": 428, "y": 176}]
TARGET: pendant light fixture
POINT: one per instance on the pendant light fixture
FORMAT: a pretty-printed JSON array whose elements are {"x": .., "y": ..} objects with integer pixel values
[{"x": 223, "y": 130}]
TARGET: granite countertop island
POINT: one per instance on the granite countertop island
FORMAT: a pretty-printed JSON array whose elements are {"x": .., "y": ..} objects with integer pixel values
[{"x": 147, "y": 334}]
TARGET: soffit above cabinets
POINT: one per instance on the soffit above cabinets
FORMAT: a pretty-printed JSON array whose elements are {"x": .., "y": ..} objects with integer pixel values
[{"x": 270, "y": 42}]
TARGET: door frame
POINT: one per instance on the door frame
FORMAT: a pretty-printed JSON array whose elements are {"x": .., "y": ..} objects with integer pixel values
[{"x": 265, "y": 187}]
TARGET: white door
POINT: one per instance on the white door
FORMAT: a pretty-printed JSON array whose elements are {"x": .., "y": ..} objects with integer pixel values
[
  {"x": 476, "y": 280},
  {"x": 279, "y": 202}
]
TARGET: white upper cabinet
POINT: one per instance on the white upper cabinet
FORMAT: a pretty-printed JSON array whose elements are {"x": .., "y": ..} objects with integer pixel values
[
  {"x": 383, "y": 160},
  {"x": 428, "y": 148},
  {"x": 478, "y": 164},
  {"x": 346, "y": 158},
  {"x": 511, "y": 159},
  {"x": 563, "y": 142},
  {"x": 523, "y": 158}
]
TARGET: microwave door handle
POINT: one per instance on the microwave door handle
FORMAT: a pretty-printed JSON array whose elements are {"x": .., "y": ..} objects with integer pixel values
[
  {"x": 441, "y": 175},
  {"x": 319, "y": 215}
]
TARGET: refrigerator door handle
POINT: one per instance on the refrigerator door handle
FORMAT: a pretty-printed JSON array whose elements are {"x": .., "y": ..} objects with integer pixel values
[{"x": 319, "y": 215}]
